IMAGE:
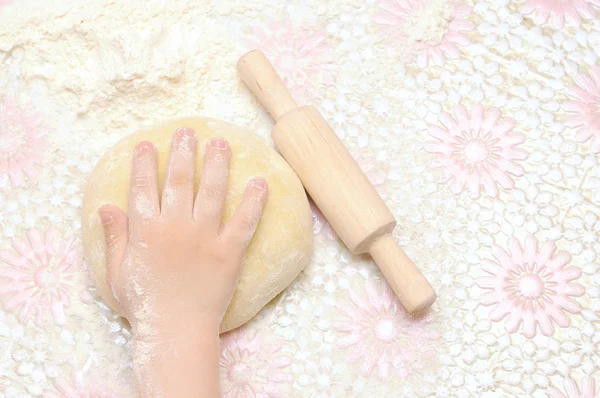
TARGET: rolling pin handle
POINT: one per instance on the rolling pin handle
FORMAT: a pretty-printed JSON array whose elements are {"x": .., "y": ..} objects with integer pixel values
[
  {"x": 413, "y": 290},
  {"x": 262, "y": 79}
]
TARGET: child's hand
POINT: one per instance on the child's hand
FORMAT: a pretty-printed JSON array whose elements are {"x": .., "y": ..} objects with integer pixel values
[{"x": 171, "y": 265}]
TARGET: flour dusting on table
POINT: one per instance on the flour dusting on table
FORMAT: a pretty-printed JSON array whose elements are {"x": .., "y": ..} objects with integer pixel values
[{"x": 476, "y": 120}]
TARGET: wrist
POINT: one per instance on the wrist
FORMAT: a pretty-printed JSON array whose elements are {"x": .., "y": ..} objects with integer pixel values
[
  {"x": 176, "y": 330},
  {"x": 169, "y": 360}
]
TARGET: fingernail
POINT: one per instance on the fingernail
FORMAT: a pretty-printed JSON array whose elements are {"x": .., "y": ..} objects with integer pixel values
[
  {"x": 106, "y": 216},
  {"x": 185, "y": 132},
  {"x": 219, "y": 143},
  {"x": 144, "y": 147},
  {"x": 259, "y": 183}
]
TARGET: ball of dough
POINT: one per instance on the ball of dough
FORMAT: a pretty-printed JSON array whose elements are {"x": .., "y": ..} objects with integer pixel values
[{"x": 282, "y": 244}]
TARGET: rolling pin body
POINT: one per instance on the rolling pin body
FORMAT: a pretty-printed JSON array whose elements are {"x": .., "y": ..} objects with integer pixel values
[
  {"x": 331, "y": 176},
  {"x": 336, "y": 183}
]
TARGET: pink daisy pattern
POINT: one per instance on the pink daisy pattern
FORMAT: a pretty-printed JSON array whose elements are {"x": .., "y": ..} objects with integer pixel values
[
  {"x": 378, "y": 332},
  {"x": 572, "y": 390},
  {"x": 38, "y": 276},
  {"x": 79, "y": 387},
  {"x": 531, "y": 286},
  {"x": 22, "y": 143},
  {"x": 584, "y": 111},
  {"x": 557, "y": 11},
  {"x": 477, "y": 149},
  {"x": 299, "y": 54},
  {"x": 433, "y": 29},
  {"x": 252, "y": 368}
]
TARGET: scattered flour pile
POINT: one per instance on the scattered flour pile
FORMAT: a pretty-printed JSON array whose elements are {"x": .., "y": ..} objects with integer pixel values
[{"x": 111, "y": 65}]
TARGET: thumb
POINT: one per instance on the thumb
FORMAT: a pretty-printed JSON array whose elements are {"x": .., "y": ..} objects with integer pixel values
[{"x": 115, "y": 223}]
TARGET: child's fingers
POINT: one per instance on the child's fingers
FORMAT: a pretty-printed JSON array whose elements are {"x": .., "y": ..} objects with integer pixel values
[
  {"x": 208, "y": 209},
  {"x": 242, "y": 225},
  {"x": 143, "y": 192},
  {"x": 114, "y": 221},
  {"x": 178, "y": 193}
]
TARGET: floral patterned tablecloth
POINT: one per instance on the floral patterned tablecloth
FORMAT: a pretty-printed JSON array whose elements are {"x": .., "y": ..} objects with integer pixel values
[{"x": 477, "y": 121}]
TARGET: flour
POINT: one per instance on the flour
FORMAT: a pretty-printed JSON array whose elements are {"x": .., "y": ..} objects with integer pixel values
[
  {"x": 185, "y": 140},
  {"x": 111, "y": 66},
  {"x": 429, "y": 24},
  {"x": 170, "y": 196},
  {"x": 146, "y": 346},
  {"x": 143, "y": 206},
  {"x": 418, "y": 26}
]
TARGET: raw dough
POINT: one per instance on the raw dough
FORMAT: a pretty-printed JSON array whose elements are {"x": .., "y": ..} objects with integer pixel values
[{"x": 282, "y": 245}]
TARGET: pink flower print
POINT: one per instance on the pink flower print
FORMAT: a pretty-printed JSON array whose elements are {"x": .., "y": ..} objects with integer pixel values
[
  {"x": 530, "y": 285},
  {"x": 477, "y": 150},
  {"x": 22, "y": 143},
  {"x": 584, "y": 112},
  {"x": 39, "y": 275},
  {"x": 559, "y": 10},
  {"x": 378, "y": 332},
  {"x": 78, "y": 387},
  {"x": 299, "y": 54},
  {"x": 571, "y": 390},
  {"x": 251, "y": 368},
  {"x": 432, "y": 29}
]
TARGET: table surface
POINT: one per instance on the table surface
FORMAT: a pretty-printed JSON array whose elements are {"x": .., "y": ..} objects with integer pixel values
[{"x": 478, "y": 122}]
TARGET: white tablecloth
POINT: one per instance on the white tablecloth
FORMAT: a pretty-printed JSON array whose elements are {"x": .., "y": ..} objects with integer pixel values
[{"x": 479, "y": 122}]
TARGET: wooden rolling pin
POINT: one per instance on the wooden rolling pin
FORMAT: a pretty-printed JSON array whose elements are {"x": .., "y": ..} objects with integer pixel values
[{"x": 335, "y": 182}]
